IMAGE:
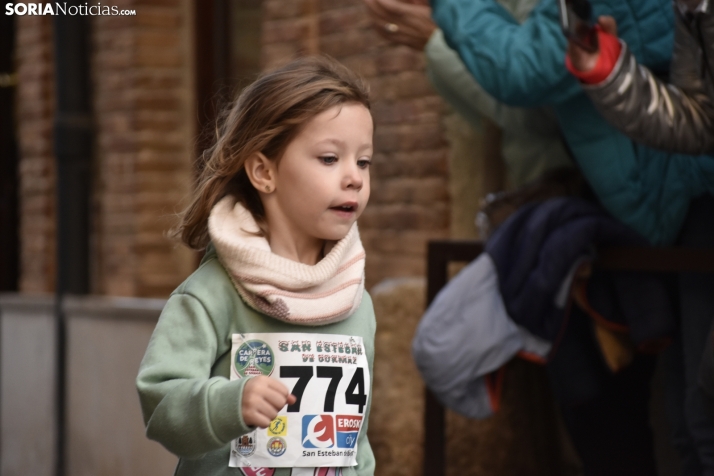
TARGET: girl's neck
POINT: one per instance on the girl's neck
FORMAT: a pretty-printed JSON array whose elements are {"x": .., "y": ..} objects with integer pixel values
[{"x": 309, "y": 253}]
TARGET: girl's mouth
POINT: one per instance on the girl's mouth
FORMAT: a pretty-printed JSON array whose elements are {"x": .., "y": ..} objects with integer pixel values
[{"x": 347, "y": 208}]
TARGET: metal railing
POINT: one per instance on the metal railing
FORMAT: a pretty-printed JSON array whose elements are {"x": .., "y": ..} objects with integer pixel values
[{"x": 442, "y": 252}]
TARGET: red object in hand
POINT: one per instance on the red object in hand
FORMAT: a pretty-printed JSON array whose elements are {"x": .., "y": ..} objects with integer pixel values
[{"x": 610, "y": 49}]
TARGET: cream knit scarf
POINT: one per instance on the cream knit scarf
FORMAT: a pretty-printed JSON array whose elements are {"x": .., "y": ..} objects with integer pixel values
[{"x": 327, "y": 292}]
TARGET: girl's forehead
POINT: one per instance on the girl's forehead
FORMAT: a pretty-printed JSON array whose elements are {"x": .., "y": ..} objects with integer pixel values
[
  {"x": 340, "y": 111},
  {"x": 339, "y": 123}
]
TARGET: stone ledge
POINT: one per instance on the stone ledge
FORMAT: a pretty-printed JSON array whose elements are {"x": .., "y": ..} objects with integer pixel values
[
  {"x": 87, "y": 307},
  {"x": 102, "y": 307},
  {"x": 27, "y": 304}
]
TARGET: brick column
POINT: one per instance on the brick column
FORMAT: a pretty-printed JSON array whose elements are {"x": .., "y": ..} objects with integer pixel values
[
  {"x": 141, "y": 67},
  {"x": 142, "y": 74},
  {"x": 35, "y": 106}
]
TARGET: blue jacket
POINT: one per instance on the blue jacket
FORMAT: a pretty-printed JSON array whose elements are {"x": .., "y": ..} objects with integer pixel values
[
  {"x": 514, "y": 300},
  {"x": 536, "y": 252},
  {"x": 523, "y": 65}
]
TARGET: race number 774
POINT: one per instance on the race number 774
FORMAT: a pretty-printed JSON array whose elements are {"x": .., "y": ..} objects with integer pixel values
[{"x": 354, "y": 394}]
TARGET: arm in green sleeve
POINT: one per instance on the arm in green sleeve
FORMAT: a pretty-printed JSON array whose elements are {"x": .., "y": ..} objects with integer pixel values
[
  {"x": 184, "y": 408},
  {"x": 365, "y": 456},
  {"x": 454, "y": 82}
]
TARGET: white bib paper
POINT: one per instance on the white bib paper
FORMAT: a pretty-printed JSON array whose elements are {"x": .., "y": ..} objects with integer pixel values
[{"x": 329, "y": 375}]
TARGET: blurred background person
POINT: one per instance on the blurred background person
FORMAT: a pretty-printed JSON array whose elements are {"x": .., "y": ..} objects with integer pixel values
[
  {"x": 675, "y": 115},
  {"x": 531, "y": 142},
  {"x": 647, "y": 189},
  {"x": 522, "y": 64}
]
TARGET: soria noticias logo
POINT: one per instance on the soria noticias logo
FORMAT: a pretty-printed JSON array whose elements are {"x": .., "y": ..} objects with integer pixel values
[{"x": 61, "y": 8}]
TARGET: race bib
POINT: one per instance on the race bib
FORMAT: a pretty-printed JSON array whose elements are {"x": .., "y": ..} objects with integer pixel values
[{"x": 329, "y": 376}]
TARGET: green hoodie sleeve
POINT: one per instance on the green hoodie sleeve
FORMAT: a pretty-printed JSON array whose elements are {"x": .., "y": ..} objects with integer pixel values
[
  {"x": 365, "y": 456},
  {"x": 185, "y": 408}
]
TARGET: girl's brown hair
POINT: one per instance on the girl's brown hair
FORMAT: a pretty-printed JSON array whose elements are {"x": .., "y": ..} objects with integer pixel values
[{"x": 267, "y": 115}]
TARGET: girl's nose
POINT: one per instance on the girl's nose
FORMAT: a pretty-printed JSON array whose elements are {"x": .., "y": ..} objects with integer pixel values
[{"x": 353, "y": 177}]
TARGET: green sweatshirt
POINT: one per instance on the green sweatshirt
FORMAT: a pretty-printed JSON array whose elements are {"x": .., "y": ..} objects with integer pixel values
[{"x": 189, "y": 404}]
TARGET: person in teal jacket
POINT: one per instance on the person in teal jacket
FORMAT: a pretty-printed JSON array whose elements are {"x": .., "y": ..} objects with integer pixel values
[
  {"x": 523, "y": 65},
  {"x": 647, "y": 189}
]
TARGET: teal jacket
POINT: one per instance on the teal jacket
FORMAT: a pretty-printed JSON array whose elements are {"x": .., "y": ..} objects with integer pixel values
[
  {"x": 189, "y": 404},
  {"x": 523, "y": 65}
]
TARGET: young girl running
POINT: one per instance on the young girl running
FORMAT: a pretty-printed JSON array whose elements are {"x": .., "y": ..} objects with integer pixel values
[{"x": 261, "y": 362}]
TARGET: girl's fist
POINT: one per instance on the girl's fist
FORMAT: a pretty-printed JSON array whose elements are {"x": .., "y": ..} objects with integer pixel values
[{"x": 263, "y": 398}]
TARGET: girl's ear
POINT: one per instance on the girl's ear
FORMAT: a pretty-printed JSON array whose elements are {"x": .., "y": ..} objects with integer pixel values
[{"x": 261, "y": 172}]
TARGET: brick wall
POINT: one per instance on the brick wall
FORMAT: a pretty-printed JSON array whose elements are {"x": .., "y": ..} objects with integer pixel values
[
  {"x": 410, "y": 201},
  {"x": 142, "y": 101},
  {"x": 35, "y": 104},
  {"x": 142, "y": 87}
]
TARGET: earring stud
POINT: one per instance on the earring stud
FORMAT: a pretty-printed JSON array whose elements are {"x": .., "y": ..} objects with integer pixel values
[{"x": 267, "y": 188}]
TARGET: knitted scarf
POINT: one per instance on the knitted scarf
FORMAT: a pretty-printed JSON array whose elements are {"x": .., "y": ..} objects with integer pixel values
[{"x": 327, "y": 292}]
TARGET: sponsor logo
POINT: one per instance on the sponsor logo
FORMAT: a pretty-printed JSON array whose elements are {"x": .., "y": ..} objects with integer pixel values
[
  {"x": 347, "y": 430},
  {"x": 254, "y": 357},
  {"x": 245, "y": 444},
  {"x": 318, "y": 431},
  {"x": 276, "y": 446},
  {"x": 278, "y": 427}
]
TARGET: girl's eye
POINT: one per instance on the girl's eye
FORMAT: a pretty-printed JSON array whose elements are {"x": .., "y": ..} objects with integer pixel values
[
  {"x": 328, "y": 159},
  {"x": 363, "y": 163}
]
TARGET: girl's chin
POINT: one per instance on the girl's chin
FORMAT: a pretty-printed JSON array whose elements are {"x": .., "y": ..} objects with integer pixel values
[{"x": 334, "y": 234}]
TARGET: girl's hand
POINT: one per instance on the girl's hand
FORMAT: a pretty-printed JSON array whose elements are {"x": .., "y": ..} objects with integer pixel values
[
  {"x": 263, "y": 398},
  {"x": 584, "y": 60}
]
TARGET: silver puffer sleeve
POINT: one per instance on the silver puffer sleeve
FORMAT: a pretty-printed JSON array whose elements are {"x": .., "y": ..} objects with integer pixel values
[{"x": 676, "y": 116}]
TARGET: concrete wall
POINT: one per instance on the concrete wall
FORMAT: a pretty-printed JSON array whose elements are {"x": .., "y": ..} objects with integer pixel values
[
  {"x": 27, "y": 356},
  {"x": 106, "y": 339}
]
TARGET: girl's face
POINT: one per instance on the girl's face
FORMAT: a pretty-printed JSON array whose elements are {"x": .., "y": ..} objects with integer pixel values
[{"x": 321, "y": 184}]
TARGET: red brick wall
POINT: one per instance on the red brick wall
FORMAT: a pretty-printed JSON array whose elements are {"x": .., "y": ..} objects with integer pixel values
[
  {"x": 144, "y": 143},
  {"x": 143, "y": 152},
  {"x": 142, "y": 87},
  {"x": 410, "y": 202},
  {"x": 35, "y": 105}
]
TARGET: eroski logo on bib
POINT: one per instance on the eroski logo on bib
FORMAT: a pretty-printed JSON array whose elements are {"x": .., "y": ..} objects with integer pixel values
[
  {"x": 347, "y": 430},
  {"x": 318, "y": 431}
]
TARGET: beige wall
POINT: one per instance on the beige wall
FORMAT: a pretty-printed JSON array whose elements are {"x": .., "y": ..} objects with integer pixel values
[
  {"x": 27, "y": 386},
  {"x": 107, "y": 339},
  {"x": 105, "y": 434}
]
